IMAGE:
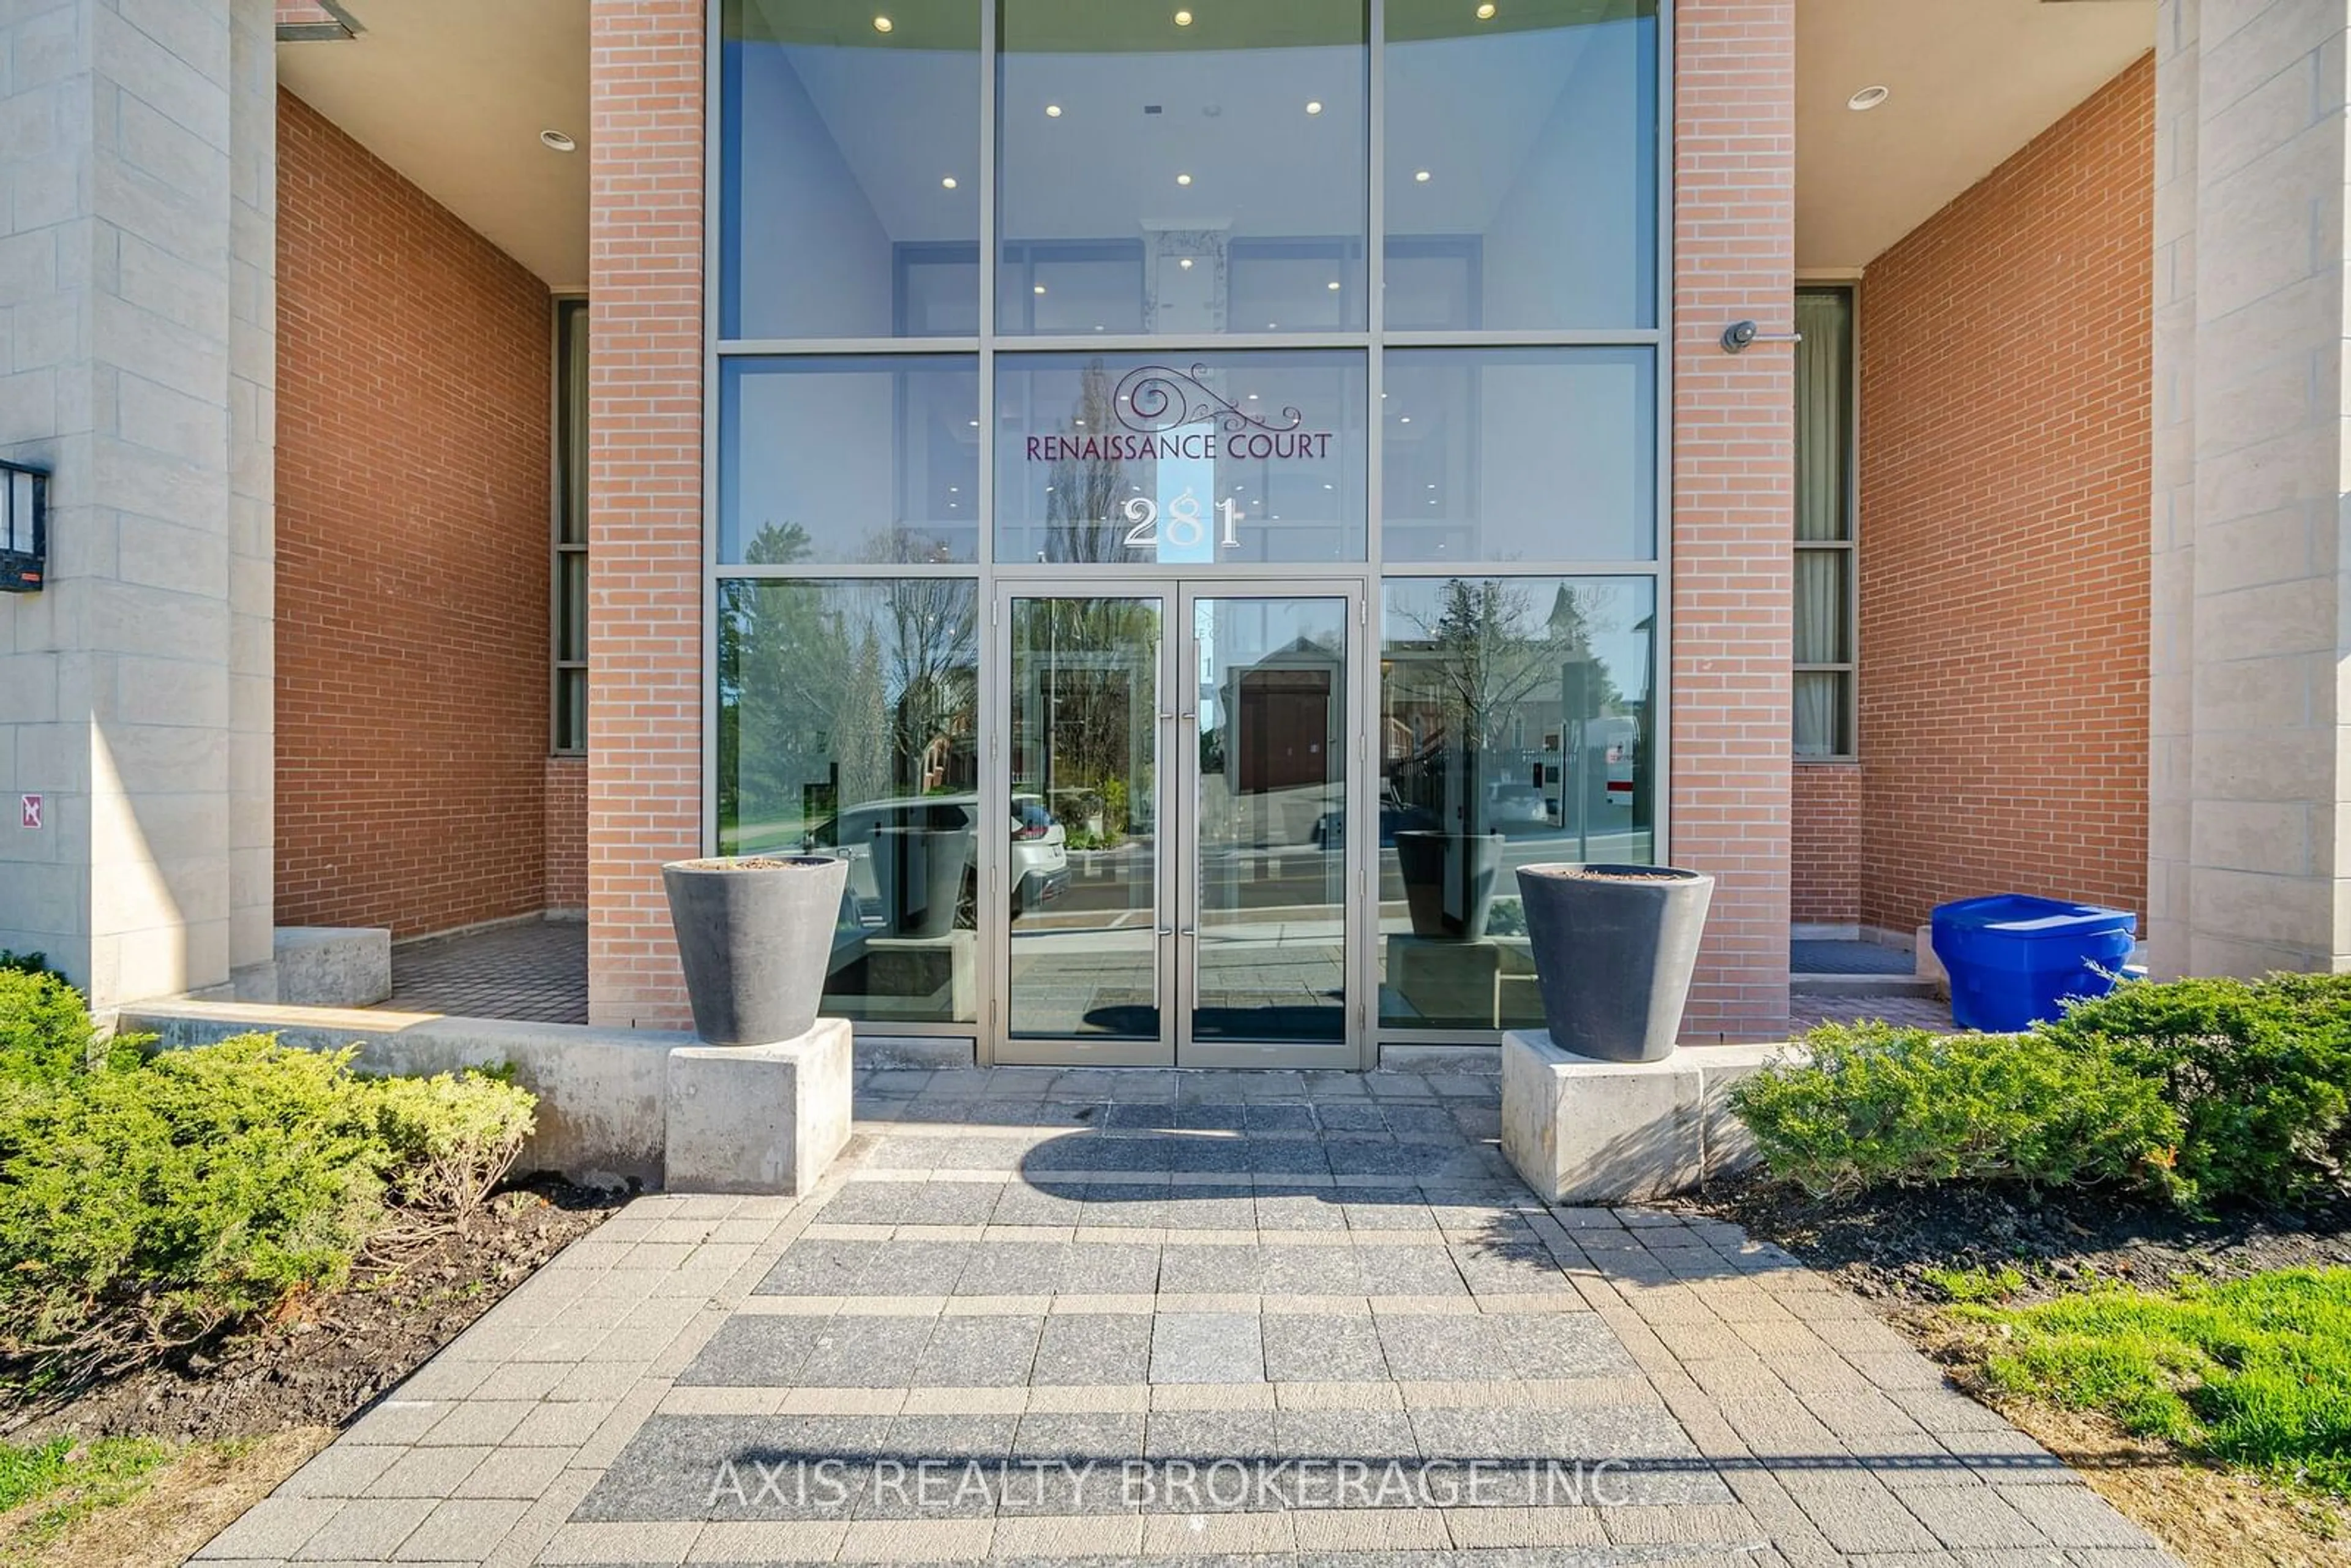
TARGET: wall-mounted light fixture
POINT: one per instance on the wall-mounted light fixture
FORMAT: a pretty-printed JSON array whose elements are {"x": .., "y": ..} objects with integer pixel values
[
  {"x": 24, "y": 527},
  {"x": 1739, "y": 334}
]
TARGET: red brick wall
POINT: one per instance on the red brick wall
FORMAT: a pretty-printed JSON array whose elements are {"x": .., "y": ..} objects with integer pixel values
[
  {"x": 644, "y": 490},
  {"x": 1734, "y": 467},
  {"x": 1824, "y": 844},
  {"x": 2005, "y": 377},
  {"x": 567, "y": 833},
  {"x": 413, "y": 429}
]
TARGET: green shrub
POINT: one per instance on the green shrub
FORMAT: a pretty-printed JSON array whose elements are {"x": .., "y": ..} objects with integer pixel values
[
  {"x": 146, "y": 1202},
  {"x": 147, "y": 1205},
  {"x": 45, "y": 1031},
  {"x": 1878, "y": 1105},
  {"x": 24, "y": 963},
  {"x": 2259, "y": 1074},
  {"x": 451, "y": 1138}
]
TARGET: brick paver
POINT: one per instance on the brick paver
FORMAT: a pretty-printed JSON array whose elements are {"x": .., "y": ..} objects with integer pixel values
[{"x": 1084, "y": 1316}]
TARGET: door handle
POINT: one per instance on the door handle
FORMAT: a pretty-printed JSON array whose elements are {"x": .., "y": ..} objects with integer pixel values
[
  {"x": 1189, "y": 931},
  {"x": 1188, "y": 717},
  {"x": 1168, "y": 931}
]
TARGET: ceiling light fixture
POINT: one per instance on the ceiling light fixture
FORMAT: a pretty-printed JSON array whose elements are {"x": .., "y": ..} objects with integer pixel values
[
  {"x": 1183, "y": 179},
  {"x": 1867, "y": 99},
  {"x": 1183, "y": 18},
  {"x": 1041, "y": 288},
  {"x": 1053, "y": 111},
  {"x": 1185, "y": 264},
  {"x": 881, "y": 24},
  {"x": 1314, "y": 106},
  {"x": 557, "y": 141},
  {"x": 1333, "y": 286},
  {"x": 1421, "y": 177},
  {"x": 948, "y": 184},
  {"x": 1486, "y": 12}
]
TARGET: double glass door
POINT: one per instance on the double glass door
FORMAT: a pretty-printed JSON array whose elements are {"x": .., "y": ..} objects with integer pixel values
[{"x": 1176, "y": 761}]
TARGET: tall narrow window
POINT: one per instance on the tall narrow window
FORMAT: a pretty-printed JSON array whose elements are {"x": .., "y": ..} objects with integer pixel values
[
  {"x": 1824, "y": 532},
  {"x": 569, "y": 686}
]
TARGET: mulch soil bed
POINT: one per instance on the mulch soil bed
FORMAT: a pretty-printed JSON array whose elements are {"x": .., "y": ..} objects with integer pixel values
[
  {"x": 324, "y": 1359},
  {"x": 1881, "y": 1244}
]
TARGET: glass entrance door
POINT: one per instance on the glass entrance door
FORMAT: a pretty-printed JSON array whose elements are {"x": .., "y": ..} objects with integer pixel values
[{"x": 1177, "y": 774}]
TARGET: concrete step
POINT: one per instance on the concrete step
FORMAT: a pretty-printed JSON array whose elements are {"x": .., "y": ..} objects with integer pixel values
[{"x": 1807, "y": 985}]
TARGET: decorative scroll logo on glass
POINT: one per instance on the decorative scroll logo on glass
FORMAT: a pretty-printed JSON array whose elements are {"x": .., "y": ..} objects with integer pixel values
[{"x": 1152, "y": 398}]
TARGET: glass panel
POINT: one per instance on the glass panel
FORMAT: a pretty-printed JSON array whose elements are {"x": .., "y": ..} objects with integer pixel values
[
  {"x": 1271, "y": 862},
  {"x": 1823, "y": 414},
  {"x": 1125, "y": 458},
  {"x": 849, "y": 458},
  {"x": 571, "y": 710},
  {"x": 1085, "y": 781},
  {"x": 574, "y": 437},
  {"x": 1517, "y": 719},
  {"x": 848, "y": 724},
  {"x": 1524, "y": 136},
  {"x": 1519, "y": 455},
  {"x": 1823, "y": 598},
  {"x": 849, "y": 159},
  {"x": 1145, "y": 153},
  {"x": 571, "y": 627},
  {"x": 1820, "y": 713}
]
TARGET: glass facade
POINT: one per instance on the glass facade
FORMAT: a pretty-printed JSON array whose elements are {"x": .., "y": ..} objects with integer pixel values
[{"x": 1187, "y": 440}]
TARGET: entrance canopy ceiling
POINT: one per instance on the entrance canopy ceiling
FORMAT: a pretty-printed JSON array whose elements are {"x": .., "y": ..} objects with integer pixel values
[
  {"x": 453, "y": 95},
  {"x": 1969, "y": 82}
]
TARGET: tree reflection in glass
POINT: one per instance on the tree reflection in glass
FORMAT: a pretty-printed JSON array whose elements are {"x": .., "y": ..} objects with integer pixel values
[
  {"x": 1507, "y": 739},
  {"x": 847, "y": 724}
]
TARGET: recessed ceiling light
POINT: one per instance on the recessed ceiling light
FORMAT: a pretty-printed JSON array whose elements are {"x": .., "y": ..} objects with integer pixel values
[
  {"x": 1315, "y": 107},
  {"x": 1486, "y": 12},
  {"x": 1867, "y": 98},
  {"x": 1041, "y": 288},
  {"x": 1407, "y": 419},
  {"x": 1183, "y": 179},
  {"x": 557, "y": 141},
  {"x": 948, "y": 184},
  {"x": 1183, "y": 18},
  {"x": 1333, "y": 286},
  {"x": 1422, "y": 176},
  {"x": 1053, "y": 111},
  {"x": 881, "y": 24},
  {"x": 1185, "y": 264}
]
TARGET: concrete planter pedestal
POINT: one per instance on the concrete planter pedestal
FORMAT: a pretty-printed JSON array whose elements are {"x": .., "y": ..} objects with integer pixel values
[{"x": 1584, "y": 1130}]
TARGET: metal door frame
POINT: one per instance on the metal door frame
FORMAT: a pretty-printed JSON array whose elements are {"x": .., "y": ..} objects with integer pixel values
[
  {"x": 1175, "y": 852},
  {"x": 1350, "y": 1050}
]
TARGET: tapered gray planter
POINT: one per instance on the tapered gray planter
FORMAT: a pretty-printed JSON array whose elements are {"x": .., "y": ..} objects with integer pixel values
[
  {"x": 754, "y": 934},
  {"x": 920, "y": 872},
  {"x": 1448, "y": 880},
  {"x": 1614, "y": 947}
]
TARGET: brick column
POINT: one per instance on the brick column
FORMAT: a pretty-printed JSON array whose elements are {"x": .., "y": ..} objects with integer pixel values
[
  {"x": 2249, "y": 864},
  {"x": 1733, "y": 498},
  {"x": 644, "y": 496}
]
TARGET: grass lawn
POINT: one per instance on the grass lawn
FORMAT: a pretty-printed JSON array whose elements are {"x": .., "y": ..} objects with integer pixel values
[
  {"x": 47, "y": 1488},
  {"x": 2254, "y": 1372}
]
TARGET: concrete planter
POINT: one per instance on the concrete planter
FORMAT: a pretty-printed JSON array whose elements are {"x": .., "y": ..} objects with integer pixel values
[
  {"x": 1614, "y": 947},
  {"x": 920, "y": 873},
  {"x": 754, "y": 933},
  {"x": 1448, "y": 880}
]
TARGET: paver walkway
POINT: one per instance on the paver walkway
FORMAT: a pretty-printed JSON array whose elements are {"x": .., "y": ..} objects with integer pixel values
[{"x": 1269, "y": 1318}]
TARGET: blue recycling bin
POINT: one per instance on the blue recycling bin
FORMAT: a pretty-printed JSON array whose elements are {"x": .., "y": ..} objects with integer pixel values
[{"x": 2015, "y": 959}]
